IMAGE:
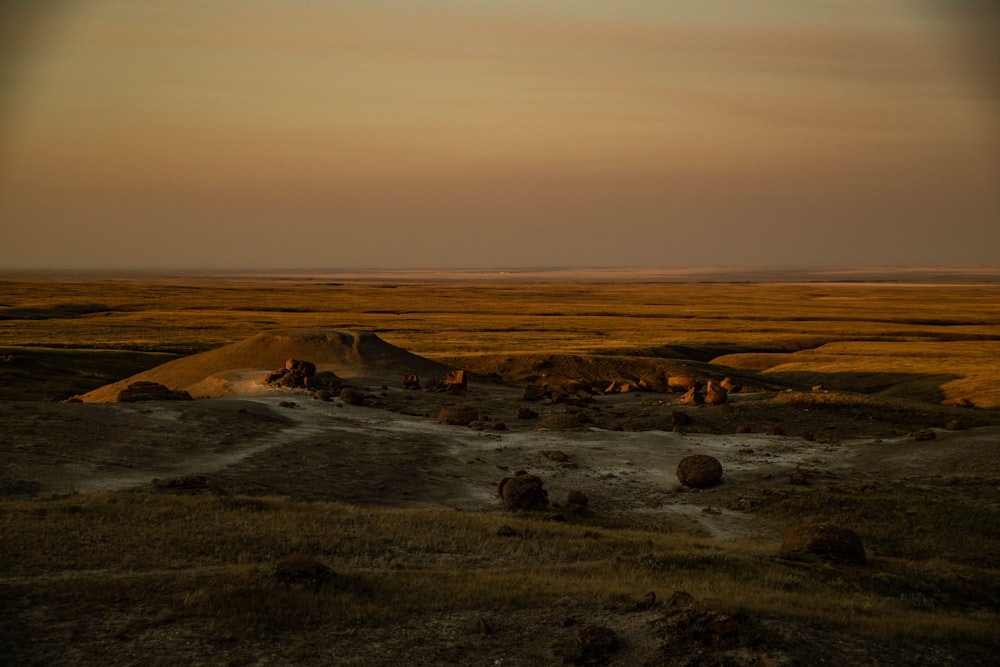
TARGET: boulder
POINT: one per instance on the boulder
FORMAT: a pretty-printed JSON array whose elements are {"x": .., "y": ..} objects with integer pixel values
[
  {"x": 715, "y": 394},
  {"x": 523, "y": 492},
  {"x": 682, "y": 383},
  {"x": 353, "y": 396},
  {"x": 151, "y": 391},
  {"x": 731, "y": 385},
  {"x": 577, "y": 498},
  {"x": 924, "y": 434},
  {"x": 678, "y": 418},
  {"x": 411, "y": 381},
  {"x": 456, "y": 381},
  {"x": 824, "y": 540},
  {"x": 305, "y": 368},
  {"x": 458, "y": 415},
  {"x": 699, "y": 471},
  {"x": 692, "y": 397}
]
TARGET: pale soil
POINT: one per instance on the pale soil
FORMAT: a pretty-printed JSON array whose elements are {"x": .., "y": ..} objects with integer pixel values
[{"x": 393, "y": 452}]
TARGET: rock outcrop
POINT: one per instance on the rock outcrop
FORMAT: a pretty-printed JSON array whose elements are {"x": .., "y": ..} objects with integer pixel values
[{"x": 824, "y": 540}]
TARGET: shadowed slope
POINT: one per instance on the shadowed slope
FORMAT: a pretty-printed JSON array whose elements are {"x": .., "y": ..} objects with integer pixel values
[{"x": 239, "y": 367}]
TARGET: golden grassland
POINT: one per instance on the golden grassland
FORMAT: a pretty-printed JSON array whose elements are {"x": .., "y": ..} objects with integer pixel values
[{"x": 939, "y": 342}]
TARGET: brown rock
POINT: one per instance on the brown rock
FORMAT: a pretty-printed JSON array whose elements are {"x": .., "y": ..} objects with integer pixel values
[
  {"x": 924, "y": 434},
  {"x": 731, "y": 385},
  {"x": 682, "y": 383},
  {"x": 559, "y": 421},
  {"x": 305, "y": 368},
  {"x": 554, "y": 455},
  {"x": 524, "y": 492},
  {"x": 299, "y": 569},
  {"x": 458, "y": 415},
  {"x": 353, "y": 396},
  {"x": 411, "y": 381},
  {"x": 151, "y": 391},
  {"x": 534, "y": 392},
  {"x": 699, "y": 471},
  {"x": 955, "y": 425},
  {"x": 692, "y": 397},
  {"x": 715, "y": 395},
  {"x": 577, "y": 498},
  {"x": 456, "y": 380},
  {"x": 678, "y": 418},
  {"x": 824, "y": 540},
  {"x": 594, "y": 644},
  {"x": 526, "y": 413}
]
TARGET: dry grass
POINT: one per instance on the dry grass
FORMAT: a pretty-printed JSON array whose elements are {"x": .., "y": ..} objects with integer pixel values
[
  {"x": 940, "y": 341},
  {"x": 211, "y": 559}
]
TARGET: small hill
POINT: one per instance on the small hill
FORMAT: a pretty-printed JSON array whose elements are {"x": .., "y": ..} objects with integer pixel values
[{"x": 238, "y": 368}]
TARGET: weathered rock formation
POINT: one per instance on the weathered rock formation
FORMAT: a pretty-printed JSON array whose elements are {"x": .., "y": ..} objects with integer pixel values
[
  {"x": 151, "y": 391},
  {"x": 458, "y": 415},
  {"x": 824, "y": 540},
  {"x": 523, "y": 491},
  {"x": 715, "y": 394},
  {"x": 692, "y": 397},
  {"x": 699, "y": 471}
]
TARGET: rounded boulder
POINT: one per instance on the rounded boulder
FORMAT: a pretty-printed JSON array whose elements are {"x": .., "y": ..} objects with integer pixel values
[{"x": 699, "y": 471}]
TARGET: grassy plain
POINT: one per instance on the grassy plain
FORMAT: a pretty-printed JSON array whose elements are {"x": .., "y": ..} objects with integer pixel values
[
  {"x": 162, "y": 578},
  {"x": 932, "y": 342}
]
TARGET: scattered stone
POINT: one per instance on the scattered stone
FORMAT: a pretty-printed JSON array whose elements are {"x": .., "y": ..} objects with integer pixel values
[
  {"x": 818, "y": 387},
  {"x": 554, "y": 455},
  {"x": 299, "y": 569},
  {"x": 353, "y": 396},
  {"x": 534, "y": 392},
  {"x": 324, "y": 395},
  {"x": 955, "y": 425},
  {"x": 288, "y": 404},
  {"x": 688, "y": 624},
  {"x": 824, "y": 540},
  {"x": 924, "y": 434},
  {"x": 300, "y": 374},
  {"x": 678, "y": 418},
  {"x": 559, "y": 421},
  {"x": 714, "y": 394},
  {"x": 626, "y": 603},
  {"x": 577, "y": 498},
  {"x": 526, "y": 413},
  {"x": 744, "y": 428},
  {"x": 456, "y": 381},
  {"x": 458, "y": 415},
  {"x": 699, "y": 471},
  {"x": 682, "y": 383},
  {"x": 151, "y": 391},
  {"x": 187, "y": 484},
  {"x": 692, "y": 397},
  {"x": 523, "y": 492},
  {"x": 495, "y": 426},
  {"x": 731, "y": 385},
  {"x": 411, "y": 381},
  {"x": 774, "y": 429},
  {"x": 593, "y": 645}
]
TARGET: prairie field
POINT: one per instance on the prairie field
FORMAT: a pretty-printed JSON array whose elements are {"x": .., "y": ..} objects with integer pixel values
[{"x": 279, "y": 527}]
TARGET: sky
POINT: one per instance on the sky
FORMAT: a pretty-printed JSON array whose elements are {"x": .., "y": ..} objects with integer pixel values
[{"x": 311, "y": 134}]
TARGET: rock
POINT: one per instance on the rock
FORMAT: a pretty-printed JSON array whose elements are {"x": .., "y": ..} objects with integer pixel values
[
  {"x": 507, "y": 531},
  {"x": 714, "y": 394},
  {"x": 678, "y": 418},
  {"x": 577, "y": 498},
  {"x": 151, "y": 391},
  {"x": 731, "y": 385},
  {"x": 411, "y": 381},
  {"x": 534, "y": 392},
  {"x": 593, "y": 645},
  {"x": 184, "y": 484},
  {"x": 682, "y": 383},
  {"x": 692, "y": 397},
  {"x": 559, "y": 421},
  {"x": 554, "y": 455},
  {"x": 699, "y": 471},
  {"x": 456, "y": 381},
  {"x": 324, "y": 395},
  {"x": 824, "y": 540},
  {"x": 524, "y": 492},
  {"x": 458, "y": 415},
  {"x": 526, "y": 413},
  {"x": 353, "y": 396},
  {"x": 744, "y": 428},
  {"x": 299, "y": 569},
  {"x": 774, "y": 429},
  {"x": 924, "y": 434},
  {"x": 306, "y": 368},
  {"x": 955, "y": 425}
]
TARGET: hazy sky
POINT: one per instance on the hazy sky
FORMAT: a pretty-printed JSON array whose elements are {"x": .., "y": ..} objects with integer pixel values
[{"x": 496, "y": 133}]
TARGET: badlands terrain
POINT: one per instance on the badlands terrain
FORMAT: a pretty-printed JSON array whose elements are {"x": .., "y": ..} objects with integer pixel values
[{"x": 351, "y": 519}]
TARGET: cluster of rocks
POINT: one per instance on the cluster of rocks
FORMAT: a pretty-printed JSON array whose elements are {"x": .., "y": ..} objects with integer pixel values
[
  {"x": 455, "y": 381},
  {"x": 299, "y": 374},
  {"x": 151, "y": 391},
  {"x": 581, "y": 392}
]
